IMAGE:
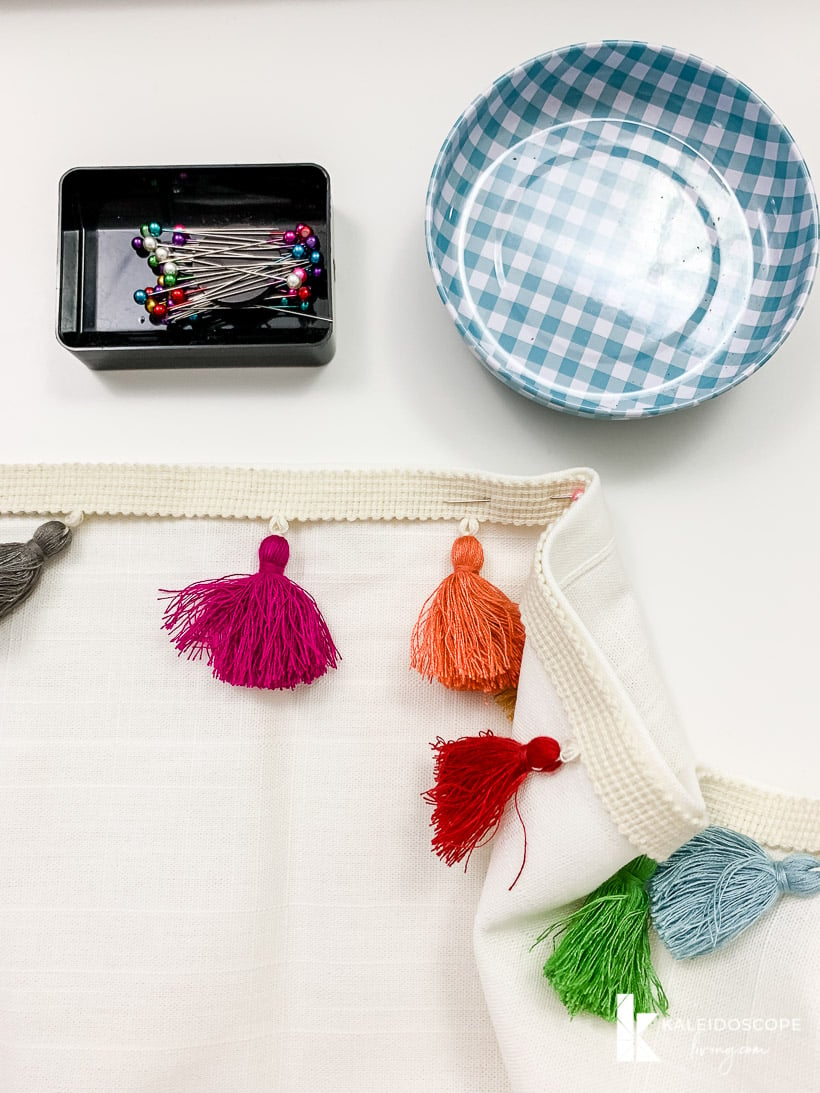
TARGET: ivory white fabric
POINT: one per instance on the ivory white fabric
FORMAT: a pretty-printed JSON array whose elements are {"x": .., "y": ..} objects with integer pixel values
[
  {"x": 742, "y": 1019},
  {"x": 205, "y": 889}
]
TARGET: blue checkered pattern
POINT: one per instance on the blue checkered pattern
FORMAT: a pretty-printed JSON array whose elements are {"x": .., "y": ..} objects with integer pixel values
[{"x": 619, "y": 230}]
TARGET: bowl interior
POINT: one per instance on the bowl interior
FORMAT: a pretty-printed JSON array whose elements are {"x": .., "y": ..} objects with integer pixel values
[{"x": 621, "y": 229}]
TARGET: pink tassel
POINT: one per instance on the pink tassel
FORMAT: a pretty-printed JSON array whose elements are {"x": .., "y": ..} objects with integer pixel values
[{"x": 261, "y": 630}]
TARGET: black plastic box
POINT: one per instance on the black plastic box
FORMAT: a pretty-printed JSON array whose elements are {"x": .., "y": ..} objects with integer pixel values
[{"x": 101, "y": 210}]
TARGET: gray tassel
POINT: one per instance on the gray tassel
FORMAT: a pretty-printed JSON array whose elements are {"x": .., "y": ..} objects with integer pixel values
[{"x": 22, "y": 563}]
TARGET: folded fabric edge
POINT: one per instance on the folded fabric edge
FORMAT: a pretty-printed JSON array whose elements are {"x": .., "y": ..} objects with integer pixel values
[{"x": 647, "y": 803}]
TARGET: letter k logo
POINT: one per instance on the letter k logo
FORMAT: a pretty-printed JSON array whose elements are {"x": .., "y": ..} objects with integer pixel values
[{"x": 630, "y": 1029}]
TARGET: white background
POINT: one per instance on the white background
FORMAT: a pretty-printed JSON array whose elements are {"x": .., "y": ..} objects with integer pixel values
[{"x": 716, "y": 509}]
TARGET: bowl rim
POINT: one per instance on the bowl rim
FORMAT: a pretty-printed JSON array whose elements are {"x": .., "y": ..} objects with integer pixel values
[{"x": 545, "y": 396}]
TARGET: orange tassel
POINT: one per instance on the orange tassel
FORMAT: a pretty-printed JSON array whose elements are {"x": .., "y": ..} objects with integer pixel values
[{"x": 469, "y": 635}]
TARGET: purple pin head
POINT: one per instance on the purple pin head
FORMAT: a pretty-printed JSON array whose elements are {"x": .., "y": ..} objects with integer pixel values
[
  {"x": 179, "y": 239},
  {"x": 317, "y": 271},
  {"x": 311, "y": 242},
  {"x": 136, "y": 243}
]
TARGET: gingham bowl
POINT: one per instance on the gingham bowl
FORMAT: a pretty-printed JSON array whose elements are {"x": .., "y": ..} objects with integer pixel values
[{"x": 620, "y": 230}]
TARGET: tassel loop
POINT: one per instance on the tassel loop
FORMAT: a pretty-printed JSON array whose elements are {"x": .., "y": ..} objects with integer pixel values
[
  {"x": 278, "y": 525},
  {"x": 468, "y": 526},
  {"x": 74, "y": 518}
]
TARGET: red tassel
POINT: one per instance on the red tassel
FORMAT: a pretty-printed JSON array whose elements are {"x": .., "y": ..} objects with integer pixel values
[
  {"x": 475, "y": 778},
  {"x": 260, "y": 630},
  {"x": 469, "y": 635}
]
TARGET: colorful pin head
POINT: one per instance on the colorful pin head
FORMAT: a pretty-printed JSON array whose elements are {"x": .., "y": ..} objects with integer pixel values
[{"x": 226, "y": 268}]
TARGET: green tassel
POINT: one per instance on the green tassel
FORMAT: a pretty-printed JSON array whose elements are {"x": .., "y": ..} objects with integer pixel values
[{"x": 602, "y": 949}]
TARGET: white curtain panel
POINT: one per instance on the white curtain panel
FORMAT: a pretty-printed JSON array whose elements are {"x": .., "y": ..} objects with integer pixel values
[{"x": 207, "y": 889}]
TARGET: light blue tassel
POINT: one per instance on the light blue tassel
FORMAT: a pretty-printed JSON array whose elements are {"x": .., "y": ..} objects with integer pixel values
[{"x": 716, "y": 885}]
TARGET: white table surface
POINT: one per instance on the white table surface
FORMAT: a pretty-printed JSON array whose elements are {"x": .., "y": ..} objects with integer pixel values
[{"x": 716, "y": 510}]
